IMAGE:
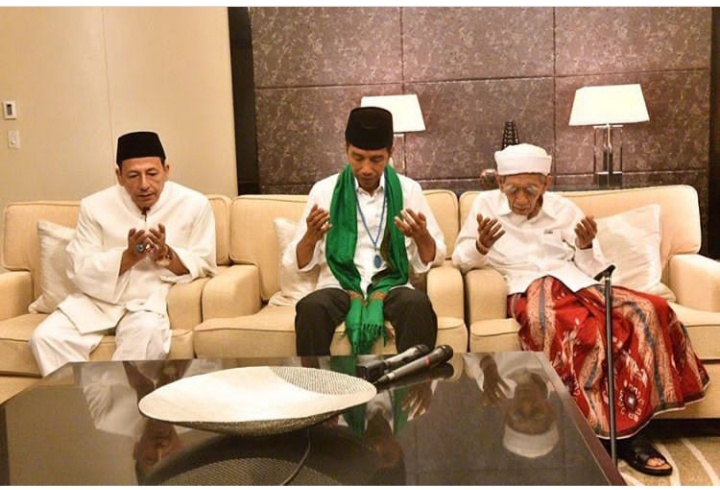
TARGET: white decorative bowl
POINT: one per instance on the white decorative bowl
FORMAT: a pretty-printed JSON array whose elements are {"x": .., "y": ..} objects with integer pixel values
[{"x": 256, "y": 401}]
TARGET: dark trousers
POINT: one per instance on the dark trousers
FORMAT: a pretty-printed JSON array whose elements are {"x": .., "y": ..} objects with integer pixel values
[{"x": 319, "y": 313}]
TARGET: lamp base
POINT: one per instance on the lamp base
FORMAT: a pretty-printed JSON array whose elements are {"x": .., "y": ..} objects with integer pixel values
[
  {"x": 607, "y": 180},
  {"x": 608, "y": 156}
]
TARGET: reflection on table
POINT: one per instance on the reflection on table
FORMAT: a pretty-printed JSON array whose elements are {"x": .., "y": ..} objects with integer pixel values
[{"x": 482, "y": 419}]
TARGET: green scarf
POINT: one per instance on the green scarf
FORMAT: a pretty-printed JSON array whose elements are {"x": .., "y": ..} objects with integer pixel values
[{"x": 365, "y": 321}]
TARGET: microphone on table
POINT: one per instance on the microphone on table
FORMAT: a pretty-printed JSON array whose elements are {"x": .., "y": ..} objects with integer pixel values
[
  {"x": 372, "y": 370},
  {"x": 437, "y": 373},
  {"x": 440, "y": 355}
]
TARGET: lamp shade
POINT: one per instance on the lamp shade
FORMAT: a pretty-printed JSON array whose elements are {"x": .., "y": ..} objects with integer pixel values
[
  {"x": 405, "y": 109},
  {"x": 608, "y": 104}
]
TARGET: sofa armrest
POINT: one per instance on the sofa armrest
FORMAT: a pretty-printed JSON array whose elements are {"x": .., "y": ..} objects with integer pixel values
[
  {"x": 235, "y": 292},
  {"x": 184, "y": 303},
  {"x": 16, "y": 293},
  {"x": 445, "y": 290},
  {"x": 486, "y": 295},
  {"x": 695, "y": 280}
]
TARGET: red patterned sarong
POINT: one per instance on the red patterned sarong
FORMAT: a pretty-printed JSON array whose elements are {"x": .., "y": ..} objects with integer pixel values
[{"x": 655, "y": 367}]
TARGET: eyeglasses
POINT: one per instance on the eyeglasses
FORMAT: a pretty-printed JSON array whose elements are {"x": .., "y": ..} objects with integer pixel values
[{"x": 528, "y": 190}]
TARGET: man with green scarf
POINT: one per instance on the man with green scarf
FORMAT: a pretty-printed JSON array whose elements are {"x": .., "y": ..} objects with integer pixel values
[{"x": 367, "y": 229}]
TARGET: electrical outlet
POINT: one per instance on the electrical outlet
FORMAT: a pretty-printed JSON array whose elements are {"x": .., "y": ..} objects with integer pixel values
[{"x": 14, "y": 139}]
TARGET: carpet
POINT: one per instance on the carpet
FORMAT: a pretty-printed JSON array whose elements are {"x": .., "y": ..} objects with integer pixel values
[{"x": 691, "y": 446}]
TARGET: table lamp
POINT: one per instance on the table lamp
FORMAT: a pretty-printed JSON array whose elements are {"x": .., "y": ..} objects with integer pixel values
[
  {"x": 607, "y": 108},
  {"x": 405, "y": 109}
]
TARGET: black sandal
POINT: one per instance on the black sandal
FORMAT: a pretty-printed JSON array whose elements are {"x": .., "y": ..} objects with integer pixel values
[{"x": 637, "y": 452}]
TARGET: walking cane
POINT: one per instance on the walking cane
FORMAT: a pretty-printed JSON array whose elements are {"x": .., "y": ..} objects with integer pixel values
[{"x": 611, "y": 373}]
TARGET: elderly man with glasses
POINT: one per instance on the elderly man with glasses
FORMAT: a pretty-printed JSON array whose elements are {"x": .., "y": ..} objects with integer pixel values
[{"x": 547, "y": 251}]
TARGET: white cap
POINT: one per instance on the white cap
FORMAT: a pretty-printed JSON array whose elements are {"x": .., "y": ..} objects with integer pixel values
[
  {"x": 523, "y": 159},
  {"x": 531, "y": 445}
]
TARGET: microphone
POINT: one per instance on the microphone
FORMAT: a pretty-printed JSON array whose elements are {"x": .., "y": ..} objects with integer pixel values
[
  {"x": 372, "y": 370},
  {"x": 439, "y": 372},
  {"x": 439, "y": 355},
  {"x": 605, "y": 272}
]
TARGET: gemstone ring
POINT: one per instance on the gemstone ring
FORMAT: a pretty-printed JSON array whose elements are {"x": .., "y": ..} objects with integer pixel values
[{"x": 140, "y": 247}]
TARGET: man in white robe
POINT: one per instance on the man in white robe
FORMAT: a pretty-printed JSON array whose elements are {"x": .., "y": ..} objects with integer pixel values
[{"x": 133, "y": 241}]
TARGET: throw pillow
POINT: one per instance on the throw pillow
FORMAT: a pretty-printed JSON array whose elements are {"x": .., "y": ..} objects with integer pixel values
[
  {"x": 293, "y": 285},
  {"x": 54, "y": 282},
  {"x": 631, "y": 241}
]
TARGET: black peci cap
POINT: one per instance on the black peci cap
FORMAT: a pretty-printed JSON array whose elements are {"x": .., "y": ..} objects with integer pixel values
[
  {"x": 370, "y": 128},
  {"x": 139, "y": 144}
]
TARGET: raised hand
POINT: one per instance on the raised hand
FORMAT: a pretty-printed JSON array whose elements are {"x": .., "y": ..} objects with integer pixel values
[
  {"x": 493, "y": 385},
  {"x": 318, "y": 223},
  {"x": 417, "y": 399},
  {"x": 411, "y": 224},
  {"x": 585, "y": 232},
  {"x": 414, "y": 225},
  {"x": 155, "y": 239},
  {"x": 137, "y": 249},
  {"x": 137, "y": 246},
  {"x": 489, "y": 232}
]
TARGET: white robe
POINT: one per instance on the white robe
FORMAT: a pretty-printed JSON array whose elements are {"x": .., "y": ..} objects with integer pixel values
[{"x": 102, "y": 235}]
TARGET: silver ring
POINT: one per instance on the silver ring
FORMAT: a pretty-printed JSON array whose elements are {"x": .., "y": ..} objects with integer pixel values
[{"x": 140, "y": 247}]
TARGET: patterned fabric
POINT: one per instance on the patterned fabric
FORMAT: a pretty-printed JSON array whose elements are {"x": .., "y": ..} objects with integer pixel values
[{"x": 656, "y": 369}]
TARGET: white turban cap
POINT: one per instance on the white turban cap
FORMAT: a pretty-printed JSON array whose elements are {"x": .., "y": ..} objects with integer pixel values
[
  {"x": 531, "y": 445},
  {"x": 523, "y": 159}
]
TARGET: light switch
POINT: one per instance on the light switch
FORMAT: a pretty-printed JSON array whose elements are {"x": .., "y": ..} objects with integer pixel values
[
  {"x": 9, "y": 109},
  {"x": 14, "y": 139}
]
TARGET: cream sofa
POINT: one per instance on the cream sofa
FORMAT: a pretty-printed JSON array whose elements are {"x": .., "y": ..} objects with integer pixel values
[
  {"x": 21, "y": 285},
  {"x": 240, "y": 321},
  {"x": 694, "y": 279},
  {"x": 232, "y": 318}
]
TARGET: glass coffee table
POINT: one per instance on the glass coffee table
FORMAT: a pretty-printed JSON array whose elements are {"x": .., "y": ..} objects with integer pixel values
[{"x": 482, "y": 419}]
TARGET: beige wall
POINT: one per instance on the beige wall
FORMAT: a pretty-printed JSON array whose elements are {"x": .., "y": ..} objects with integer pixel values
[{"x": 83, "y": 76}]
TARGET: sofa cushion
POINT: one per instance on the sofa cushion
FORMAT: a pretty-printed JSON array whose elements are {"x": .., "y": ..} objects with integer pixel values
[
  {"x": 703, "y": 328},
  {"x": 252, "y": 234},
  {"x": 54, "y": 282},
  {"x": 680, "y": 215},
  {"x": 21, "y": 247},
  {"x": 631, "y": 241},
  {"x": 444, "y": 205},
  {"x": 271, "y": 333},
  {"x": 16, "y": 357},
  {"x": 294, "y": 285},
  {"x": 496, "y": 335},
  {"x": 15, "y": 354}
]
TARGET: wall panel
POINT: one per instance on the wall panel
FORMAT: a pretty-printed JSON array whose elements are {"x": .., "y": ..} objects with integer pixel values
[{"x": 475, "y": 68}]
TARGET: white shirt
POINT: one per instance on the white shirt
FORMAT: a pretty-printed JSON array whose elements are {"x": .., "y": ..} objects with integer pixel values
[
  {"x": 372, "y": 208},
  {"x": 530, "y": 248},
  {"x": 101, "y": 237}
]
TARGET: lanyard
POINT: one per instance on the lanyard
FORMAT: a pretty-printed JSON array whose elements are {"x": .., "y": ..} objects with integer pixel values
[{"x": 376, "y": 241}]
